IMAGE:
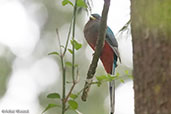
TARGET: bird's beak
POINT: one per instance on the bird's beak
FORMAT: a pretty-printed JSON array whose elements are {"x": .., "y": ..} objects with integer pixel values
[{"x": 93, "y": 18}]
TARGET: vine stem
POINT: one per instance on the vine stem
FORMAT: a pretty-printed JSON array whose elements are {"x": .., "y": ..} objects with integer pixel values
[
  {"x": 73, "y": 38},
  {"x": 69, "y": 32},
  {"x": 64, "y": 98},
  {"x": 72, "y": 87},
  {"x": 63, "y": 87},
  {"x": 63, "y": 73}
]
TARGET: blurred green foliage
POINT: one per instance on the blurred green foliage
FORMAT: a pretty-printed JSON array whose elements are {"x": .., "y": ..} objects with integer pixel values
[{"x": 5, "y": 71}]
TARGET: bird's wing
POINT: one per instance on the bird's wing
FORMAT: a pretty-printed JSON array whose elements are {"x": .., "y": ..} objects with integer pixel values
[{"x": 110, "y": 38}]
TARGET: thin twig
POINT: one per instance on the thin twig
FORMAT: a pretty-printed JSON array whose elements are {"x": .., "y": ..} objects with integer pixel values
[
  {"x": 63, "y": 90},
  {"x": 73, "y": 22},
  {"x": 66, "y": 45},
  {"x": 63, "y": 73},
  {"x": 99, "y": 46},
  {"x": 73, "y": 37},
  {"x": 73, "y": 58},
  {"x": 72, "y": 87},
  {"x": 57, "y": 33}
]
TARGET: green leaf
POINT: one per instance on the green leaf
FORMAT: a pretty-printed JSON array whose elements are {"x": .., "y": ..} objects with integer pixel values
[
  {"x": 126, "y": 72},
  {"x": 68, "y": 63},
  {"x": 99, "y": 84},
  {"x": 65, "y": 2},
  {"x": 73, "y": 104},
  {"x": 76, "y": 65},
  {"x": 81, "y": 3},
  {"x": 70, "y": 51},
  {"x": 117, "y": 74},
  {"x": 53, "y": 96},
  {"x": 130, "y": 76},
  {"x": 107, "y": 77},
  {"x": 62, "y": 46},
  {"x": 101, "y": 78},
  {"x": 73, "y": 96},
  {"x": 110, "y": 77},
  {"x": 122, "y": 81},
  {"x": 49, "y": 107},
  {"x": 69, "y": 82},
  {"x": 77, "y": 45},
  {"x": 53, "y": 53}
]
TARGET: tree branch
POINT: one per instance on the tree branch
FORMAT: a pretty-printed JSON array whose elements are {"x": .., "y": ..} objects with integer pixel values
[
  {"x": 72, "y": 87},
  {"x": 99, "y": 47}
]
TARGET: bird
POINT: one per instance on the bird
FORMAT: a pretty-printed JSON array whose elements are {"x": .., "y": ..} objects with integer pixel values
[{"x": 109, "y": 54}]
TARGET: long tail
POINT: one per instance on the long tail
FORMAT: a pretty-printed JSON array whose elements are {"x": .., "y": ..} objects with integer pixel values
[
  {"x": 112, "y": 96},
  {"x": 112, "y": 88}
]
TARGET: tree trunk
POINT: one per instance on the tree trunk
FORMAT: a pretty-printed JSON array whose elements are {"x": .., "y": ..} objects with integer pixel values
[{"x": 151, "y": 32}]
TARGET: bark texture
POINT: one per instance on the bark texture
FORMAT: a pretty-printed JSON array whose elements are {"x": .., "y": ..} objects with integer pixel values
[{"x": 151, "y": 32}]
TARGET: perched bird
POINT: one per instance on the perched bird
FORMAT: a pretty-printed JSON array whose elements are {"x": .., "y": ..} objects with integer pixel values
[{"x": 109, "y": 54}]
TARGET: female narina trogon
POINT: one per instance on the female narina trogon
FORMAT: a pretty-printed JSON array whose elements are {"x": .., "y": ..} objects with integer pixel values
[{"x": 109, "y": 54}]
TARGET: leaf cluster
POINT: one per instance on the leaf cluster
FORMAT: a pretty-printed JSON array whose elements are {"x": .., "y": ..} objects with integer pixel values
[
  {"x": 68, "y": 101},
  {"x": 80, "y": 3}
]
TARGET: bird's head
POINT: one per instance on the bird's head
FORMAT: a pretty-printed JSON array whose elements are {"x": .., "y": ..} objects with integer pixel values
[{"x": 95, "y": 16}]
